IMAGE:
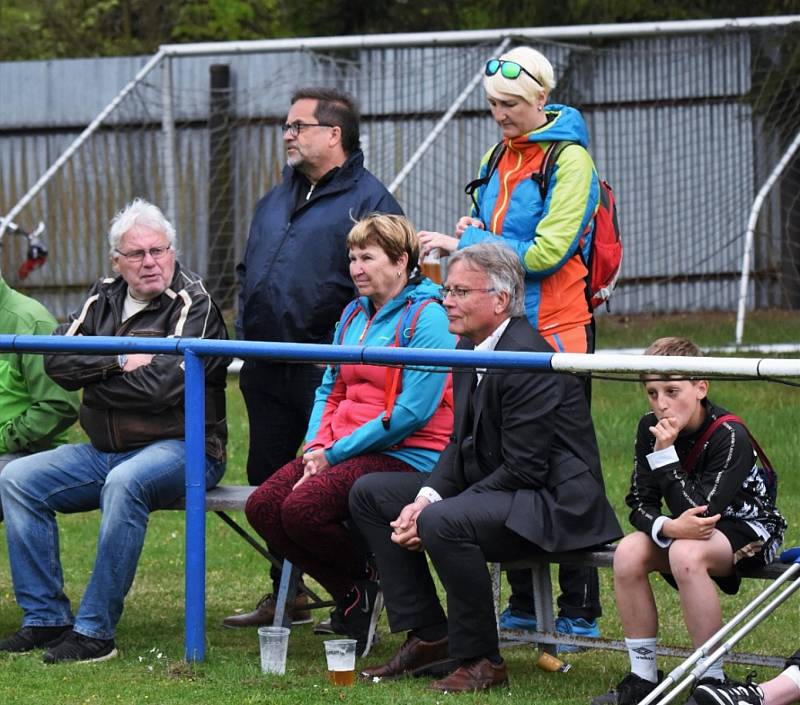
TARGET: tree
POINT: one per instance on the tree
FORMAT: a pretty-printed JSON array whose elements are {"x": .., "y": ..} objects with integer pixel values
[{"x": 43, "y": 29}]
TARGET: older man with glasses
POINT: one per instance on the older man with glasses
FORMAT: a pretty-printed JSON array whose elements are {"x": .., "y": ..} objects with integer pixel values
[
  {"x": 521, "y": 475},
  {"x": 134, "y": 463},
  {"x": 294, "y": 282}
]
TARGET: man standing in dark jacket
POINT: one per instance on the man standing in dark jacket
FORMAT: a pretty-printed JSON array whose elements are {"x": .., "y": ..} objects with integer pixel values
[
  {"x": 133, "y": 412},
  {"x": 294, "y": 280}
]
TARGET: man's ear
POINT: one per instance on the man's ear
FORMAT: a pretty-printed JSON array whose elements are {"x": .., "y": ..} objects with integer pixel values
[
  {"x": 336, "y": 136},
  {"x": 501, "y": 302},
  {"x": 702, "y": 388}
]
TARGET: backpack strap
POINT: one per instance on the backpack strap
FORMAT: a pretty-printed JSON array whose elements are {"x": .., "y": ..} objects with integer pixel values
[
  {"x": 345, "y": 320},
  {"x": 691, "y": 460},
  {"x": 545, "y": 173},
  {"x": 491, "y": 167},
  {"x": 402, "y": 337}
]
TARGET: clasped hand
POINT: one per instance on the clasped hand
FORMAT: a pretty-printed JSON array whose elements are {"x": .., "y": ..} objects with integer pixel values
[
  {"x": 314, "y": 463},
  {"x": 404, "y": 528}
]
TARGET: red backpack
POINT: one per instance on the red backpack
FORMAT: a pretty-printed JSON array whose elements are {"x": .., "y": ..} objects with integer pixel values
[{"x": 605, "y": 251}]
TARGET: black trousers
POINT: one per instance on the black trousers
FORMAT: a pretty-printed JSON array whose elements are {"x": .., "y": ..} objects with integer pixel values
[
  {"x": 279, "y": 398},
  {"x": 580, "y": 587},
  {"x": 580, "y": 592},
  {"x": 460, "y": 535}
]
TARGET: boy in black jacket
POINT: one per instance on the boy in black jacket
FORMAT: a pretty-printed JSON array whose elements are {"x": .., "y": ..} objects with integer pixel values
[{"x": 719, "y": 518}]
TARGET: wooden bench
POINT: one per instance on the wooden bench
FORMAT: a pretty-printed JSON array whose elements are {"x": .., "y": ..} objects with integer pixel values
[
  {"x": 548, "y": 639},
  {"x": 225, "y": 498}
]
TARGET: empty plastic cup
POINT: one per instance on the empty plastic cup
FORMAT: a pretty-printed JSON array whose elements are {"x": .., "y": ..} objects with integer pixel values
[
  {"x": 341, "y": 657},
  {"x": 274, "y": 642}
]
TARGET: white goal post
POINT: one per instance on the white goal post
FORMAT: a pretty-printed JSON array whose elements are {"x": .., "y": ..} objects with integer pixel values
[{"x": 680, "y": 116}]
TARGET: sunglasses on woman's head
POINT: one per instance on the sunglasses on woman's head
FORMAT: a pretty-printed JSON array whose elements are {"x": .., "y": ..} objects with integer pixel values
[{"x": 508, "y": 69}]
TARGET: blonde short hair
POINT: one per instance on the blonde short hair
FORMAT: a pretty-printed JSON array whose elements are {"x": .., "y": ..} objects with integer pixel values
[
  {"x": 524, "y": 86},
  {"x": 394, "y": 234},
  {"x": 673, "y": 345}
]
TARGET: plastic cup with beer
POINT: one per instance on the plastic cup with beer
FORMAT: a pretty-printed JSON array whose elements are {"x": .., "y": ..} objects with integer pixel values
[
  {"x": 341, "y": 657},
  {"x": 431, "y": 266},
  {"x": 274, "y": 642}
]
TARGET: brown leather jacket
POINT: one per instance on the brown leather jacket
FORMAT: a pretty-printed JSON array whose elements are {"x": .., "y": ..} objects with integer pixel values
[{"x": 124, "y": 411}]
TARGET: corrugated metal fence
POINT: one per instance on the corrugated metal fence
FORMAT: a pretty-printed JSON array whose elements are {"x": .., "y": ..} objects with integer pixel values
[{"x": 672, "y": 121}]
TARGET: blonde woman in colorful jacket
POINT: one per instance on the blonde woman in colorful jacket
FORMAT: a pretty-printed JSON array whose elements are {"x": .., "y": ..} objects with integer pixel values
[{"x": 551, "y": 236}]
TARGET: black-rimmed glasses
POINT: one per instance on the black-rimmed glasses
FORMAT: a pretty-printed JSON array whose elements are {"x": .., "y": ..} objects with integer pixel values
[
  {"x": 138, "y": 255},
  {"x": 509, "y": 69},
  {"x": 295, "y": 128},
  {"x": 459, "y": 291}
]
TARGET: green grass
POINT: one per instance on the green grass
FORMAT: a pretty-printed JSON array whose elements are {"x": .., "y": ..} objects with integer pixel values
[
  {"x": 706, "y": 329},
  {"x": 150, "y": 635}
]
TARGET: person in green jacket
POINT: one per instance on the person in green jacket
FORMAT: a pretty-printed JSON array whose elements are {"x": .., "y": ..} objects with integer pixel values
[{"x": 35, "y": 412}]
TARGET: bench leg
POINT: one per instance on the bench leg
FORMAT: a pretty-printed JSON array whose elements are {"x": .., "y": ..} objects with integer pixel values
[
  {"x": 543, "y": 603},
  {"x": 287, "y": 591},
  {"x": 495, "y": 573}
]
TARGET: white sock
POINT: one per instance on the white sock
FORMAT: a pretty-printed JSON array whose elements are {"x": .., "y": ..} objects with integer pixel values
[
  {"x": 714, "y": 670},
  {"x": 793, "y": 673},
  {"x": 642, "y": 653}
]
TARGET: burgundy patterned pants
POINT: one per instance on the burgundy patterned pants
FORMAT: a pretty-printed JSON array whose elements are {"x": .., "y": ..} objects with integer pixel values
[{"x": 306, "y": 525}]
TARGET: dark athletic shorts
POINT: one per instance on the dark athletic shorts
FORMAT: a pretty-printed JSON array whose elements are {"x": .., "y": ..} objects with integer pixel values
[{"x": 747, "y": 554}]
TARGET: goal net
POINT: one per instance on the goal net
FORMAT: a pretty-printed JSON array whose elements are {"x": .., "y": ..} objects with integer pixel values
[{"x": 685, "y": 128}]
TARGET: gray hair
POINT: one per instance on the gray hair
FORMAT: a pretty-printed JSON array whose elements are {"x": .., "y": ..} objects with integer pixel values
[
  {"x": 501, "y": 265},
  {"x": 139, "y": 212}
]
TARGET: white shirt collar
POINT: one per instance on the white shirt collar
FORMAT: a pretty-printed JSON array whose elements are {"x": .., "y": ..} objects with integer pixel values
[{"x": 490, "y": 344}]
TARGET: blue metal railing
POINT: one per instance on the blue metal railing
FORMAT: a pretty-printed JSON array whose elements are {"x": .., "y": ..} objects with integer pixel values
[{"x": 193, "y": 350}]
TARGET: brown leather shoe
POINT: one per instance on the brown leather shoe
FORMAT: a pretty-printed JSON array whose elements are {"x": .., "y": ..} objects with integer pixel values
[
  {"x": 264, "y": 613},
  {"x": 479, "y": 675},
  {"x": 415, "y": 658}
]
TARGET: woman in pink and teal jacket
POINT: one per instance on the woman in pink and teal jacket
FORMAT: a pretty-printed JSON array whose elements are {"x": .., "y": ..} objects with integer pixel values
[{"x": 365, "y": 419}]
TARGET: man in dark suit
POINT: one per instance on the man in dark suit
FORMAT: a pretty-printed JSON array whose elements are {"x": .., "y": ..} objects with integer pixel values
[{"x": 520, "y": 475}]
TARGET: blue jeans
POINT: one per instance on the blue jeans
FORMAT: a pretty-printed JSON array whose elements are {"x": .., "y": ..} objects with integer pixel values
[
  {"x": 5, "y": 459},
  {"x": 126, "y": 487}
]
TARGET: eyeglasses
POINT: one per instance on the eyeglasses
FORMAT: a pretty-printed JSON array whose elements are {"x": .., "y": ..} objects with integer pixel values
[
  {"x": 138, "y": 255},
  {"x": 459, "y": 292},
  {"x": 295, "y": 128},
  {"x": 509, "y": 69}
]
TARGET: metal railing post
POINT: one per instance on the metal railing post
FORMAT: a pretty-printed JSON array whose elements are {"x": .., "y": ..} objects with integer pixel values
[{"x": 195, "y": 507}]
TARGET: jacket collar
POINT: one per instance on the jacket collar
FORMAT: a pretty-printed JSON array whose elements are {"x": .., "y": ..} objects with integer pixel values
[{"x": 338, "y": 178}]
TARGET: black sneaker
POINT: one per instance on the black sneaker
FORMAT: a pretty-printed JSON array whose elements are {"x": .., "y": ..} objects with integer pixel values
[
  {"x": 81, "y": 649},
  {"x": 30, "y": 638},
  {"x": 631, "y": 690},
  {"x": 332, "y": 624},
  {"x": 360, "y": 616},
  {"x": 728, "y": 693}
]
